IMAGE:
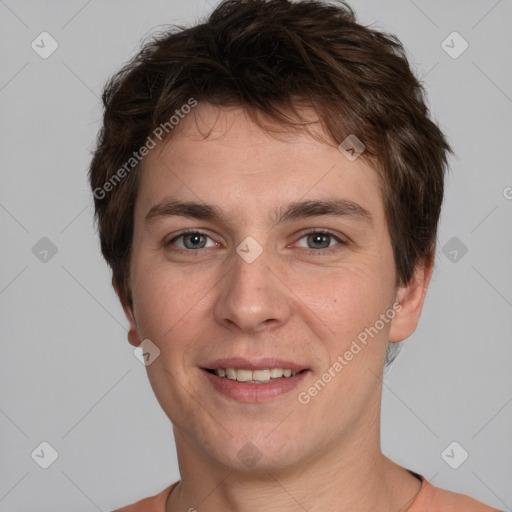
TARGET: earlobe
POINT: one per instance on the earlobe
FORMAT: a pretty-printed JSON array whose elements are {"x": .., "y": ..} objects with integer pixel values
[
  {"x": 411, "y": 297},
  {"x": 132, "y": 334}
]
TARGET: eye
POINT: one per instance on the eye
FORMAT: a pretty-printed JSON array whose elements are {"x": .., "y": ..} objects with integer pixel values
[
  {"x": 316, "y": 239},
  {"x": 191, "y": 240}
]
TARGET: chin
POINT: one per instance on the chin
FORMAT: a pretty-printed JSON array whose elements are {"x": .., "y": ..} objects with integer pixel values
[{"x": 260, "y": 452}]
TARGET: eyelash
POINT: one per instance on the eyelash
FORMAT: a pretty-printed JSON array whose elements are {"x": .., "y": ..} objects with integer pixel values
[
  {"x": 320, "y": 252},
  {"x": 304, "y": 234}
]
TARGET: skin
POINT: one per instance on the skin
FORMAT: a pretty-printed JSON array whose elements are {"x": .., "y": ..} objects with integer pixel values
[{"x": 297, "y": 301}]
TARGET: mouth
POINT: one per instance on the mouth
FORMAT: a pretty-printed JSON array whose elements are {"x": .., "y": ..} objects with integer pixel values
[
  {"x": 261, "y": 376},
  {"x": 253, "y": 381}
]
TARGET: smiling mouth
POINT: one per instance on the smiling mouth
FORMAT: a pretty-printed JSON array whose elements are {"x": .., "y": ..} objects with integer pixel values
[{"x": 263, "y": 376}]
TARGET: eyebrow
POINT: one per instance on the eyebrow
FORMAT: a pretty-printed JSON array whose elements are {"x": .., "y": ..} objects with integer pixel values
[{"x": 290, "y": 212}]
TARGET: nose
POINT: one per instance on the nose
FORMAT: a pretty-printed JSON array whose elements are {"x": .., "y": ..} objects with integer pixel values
[{"x": 252, "y": 297}]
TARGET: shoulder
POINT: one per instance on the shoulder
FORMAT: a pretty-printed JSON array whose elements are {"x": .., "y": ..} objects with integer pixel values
[
  {"x": 152, "y": 504},
  {"x": 435, "y": 499}
]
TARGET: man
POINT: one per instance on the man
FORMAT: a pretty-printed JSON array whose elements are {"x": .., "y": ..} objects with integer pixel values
[{"x": 267, "y": 188}]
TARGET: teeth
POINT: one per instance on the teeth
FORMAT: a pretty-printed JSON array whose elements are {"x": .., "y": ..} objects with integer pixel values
[
  {"x": 253, "y": 377},
  {"x": 263, "y": 375},
  {"x": 243, "y": 375}
]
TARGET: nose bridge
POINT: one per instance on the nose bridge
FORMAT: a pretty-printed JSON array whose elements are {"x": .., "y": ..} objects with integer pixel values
[{"x": 251, "y": 297}]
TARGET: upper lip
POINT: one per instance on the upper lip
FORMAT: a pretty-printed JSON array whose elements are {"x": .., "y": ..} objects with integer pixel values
[{"x": 254, "y": 364}]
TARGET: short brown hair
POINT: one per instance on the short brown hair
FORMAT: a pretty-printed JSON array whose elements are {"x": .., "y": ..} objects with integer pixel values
[{"x": 272, "y": 57}]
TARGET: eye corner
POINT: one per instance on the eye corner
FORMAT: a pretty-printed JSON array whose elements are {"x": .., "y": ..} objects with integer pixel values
[{"x": 320, "y": 231}]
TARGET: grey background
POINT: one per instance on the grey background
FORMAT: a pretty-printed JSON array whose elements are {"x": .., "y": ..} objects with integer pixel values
[{"x": 67, "y": 373}]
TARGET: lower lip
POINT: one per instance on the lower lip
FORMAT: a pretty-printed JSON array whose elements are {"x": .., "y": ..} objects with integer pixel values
[{"x": 247, "y": 392}]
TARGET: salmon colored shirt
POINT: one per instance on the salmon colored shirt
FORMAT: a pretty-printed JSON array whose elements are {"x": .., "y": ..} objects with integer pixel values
[{"x": 429, "y": 499}]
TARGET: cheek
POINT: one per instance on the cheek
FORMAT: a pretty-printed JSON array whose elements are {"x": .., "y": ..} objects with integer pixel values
[
  {"x": 163, "y": 301},
  {"x": 346, "y": 299}
]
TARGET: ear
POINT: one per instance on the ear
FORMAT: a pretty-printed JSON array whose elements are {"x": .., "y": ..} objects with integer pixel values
[
  {"x": 411, "y": 297},
  {"x": 132, "y": 335}
]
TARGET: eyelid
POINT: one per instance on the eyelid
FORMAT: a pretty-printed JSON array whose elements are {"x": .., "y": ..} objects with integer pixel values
[
  {"x": 303, "y": 233},
  {"x": 188, "y": 231},
  {"x": 340, "y": 239}
]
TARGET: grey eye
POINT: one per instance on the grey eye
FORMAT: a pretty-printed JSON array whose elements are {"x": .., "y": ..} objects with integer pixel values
[{"x": 319, "y": 240}]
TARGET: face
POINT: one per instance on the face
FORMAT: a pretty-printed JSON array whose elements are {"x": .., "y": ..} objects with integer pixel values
[{"x": 281, "y": 263}]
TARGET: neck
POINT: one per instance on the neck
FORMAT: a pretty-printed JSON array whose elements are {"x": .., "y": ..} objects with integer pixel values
[{"x": 354, "y": 475}]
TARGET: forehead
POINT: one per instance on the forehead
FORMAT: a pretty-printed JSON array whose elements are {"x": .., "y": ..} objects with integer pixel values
[{"x": 220, "y": 155}]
